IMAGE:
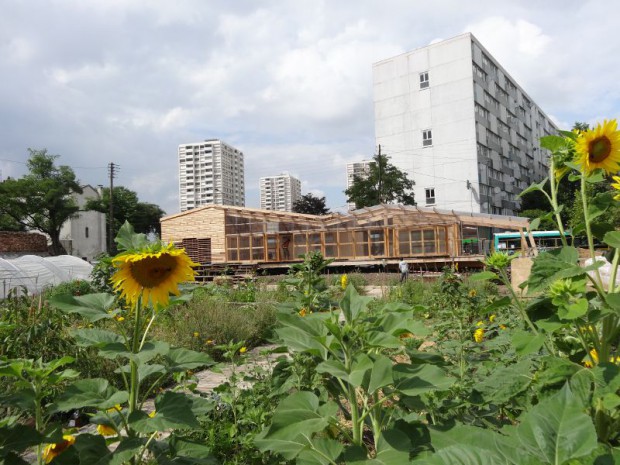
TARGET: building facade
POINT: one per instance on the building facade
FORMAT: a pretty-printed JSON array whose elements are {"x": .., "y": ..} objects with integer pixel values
[
  {"x": 279, "y": 192},
  {"x": 360, "y": 169},
  {"x": 84, "y": 235},
  {"x": 460, "y": 126},
  {"x": 210, "y": 172}
]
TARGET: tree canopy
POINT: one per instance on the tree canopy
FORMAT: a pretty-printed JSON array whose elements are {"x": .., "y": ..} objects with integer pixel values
[
  {"x": 385, "y": 183},
  {"x": 311, "y": 205},
  {"x": 41, "y": 200},
  {"x": 144, "y": 217}
]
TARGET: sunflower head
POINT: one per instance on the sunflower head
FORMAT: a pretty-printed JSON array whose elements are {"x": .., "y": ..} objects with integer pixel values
[
  {"x": 150, "y": 271},
  {"x": 52, "y": 451},
  {"x": 599, "y": 148}
]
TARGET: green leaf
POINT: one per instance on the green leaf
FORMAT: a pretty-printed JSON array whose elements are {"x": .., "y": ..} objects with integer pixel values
[
  {"x": 180, "y": 359},
  {"x": 505, "y": 383},
  {"x": 95, "y": 337},
  {"x": 90, "y": 393},
  {"x": 18, "y": 438},
  {"x": 483, "y": 276},
  {"x": 599, "y": 205},
  {"x": 556, "y": 430},
  {"x": 612, "y": 239},
  {"x": 535, "y": 224},
  {"x": 413, "y": 380},
  {"x": 381, "y": 374},
  {"x": 320, "y": 451},
  {"x": 574, "y": 310},
  {"x": 296, "y": 415},
  {"x": 173, "y": 411},
  {"x": 93, "y": 307},
  {"x": 194, "y": 450},
  {"x": 553, "y": 143},
  {"x": 553, "y": 265},
  {"x": 462, "y": 454},
  {"x": 352, "y": 304},
  {"x": 526, "y": 343},
  {"x": 534, "y": 187},
  {"x": 128, "y": 240}
]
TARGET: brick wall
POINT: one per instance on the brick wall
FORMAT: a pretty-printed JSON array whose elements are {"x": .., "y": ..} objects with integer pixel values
[{"x": 20, "y": 242}]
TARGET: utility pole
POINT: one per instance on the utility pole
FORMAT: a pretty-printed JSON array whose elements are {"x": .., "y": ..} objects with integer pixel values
[
  {"x": 112, "y": 168},
  {"x": 380, "y": 180}
]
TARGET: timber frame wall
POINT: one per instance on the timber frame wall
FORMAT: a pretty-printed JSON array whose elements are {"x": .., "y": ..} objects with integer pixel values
[{"x": 252, "y": 236}]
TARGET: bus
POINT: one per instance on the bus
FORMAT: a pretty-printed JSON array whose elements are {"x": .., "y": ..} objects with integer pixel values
[{"x": 511, "y": 241}]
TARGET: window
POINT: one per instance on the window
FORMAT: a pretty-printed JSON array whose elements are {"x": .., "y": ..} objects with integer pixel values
[
  {"x": 479, "y": 72},
  {"x": 427, "y": 138},
  {"x": 430, "y": 196},
  {"x": 490, "y": 101},
  {"x": 86, "y": 232},
  {"x": 483, "y": 112},
  {"x": 424, "y": 83},
  {"x": 494, "y": 138}
]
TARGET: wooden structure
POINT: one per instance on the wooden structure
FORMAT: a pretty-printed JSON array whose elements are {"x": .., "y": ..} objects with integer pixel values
[{"x": 235, "y": 235}]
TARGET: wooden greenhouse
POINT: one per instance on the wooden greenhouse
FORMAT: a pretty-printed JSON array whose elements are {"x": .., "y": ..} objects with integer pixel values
[{"x": 385, "y": 233}]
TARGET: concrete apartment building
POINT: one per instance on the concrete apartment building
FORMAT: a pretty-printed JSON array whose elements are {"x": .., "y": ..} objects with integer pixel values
[
  {"x": 279, "y": 192},
  {"x": 460, "y": 126},
  {"x": 360, "y": 169},
  {"x": 210, "y": 172}
]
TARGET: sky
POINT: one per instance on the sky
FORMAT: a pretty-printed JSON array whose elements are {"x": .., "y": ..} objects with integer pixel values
[{"x": 288, "y": 82}]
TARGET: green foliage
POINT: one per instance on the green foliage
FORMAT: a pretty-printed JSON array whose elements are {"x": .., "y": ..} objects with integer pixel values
[
  {"x": 384, "y": 184},
  {"x": 101, "y": 274},
  {"x": 311, "y": 205},
  {"x": 41, "y": 200},
  {"x": 127, "y": 208},
  {"x": 308, "y": 287},
  {"x": 210, "y": 318}
]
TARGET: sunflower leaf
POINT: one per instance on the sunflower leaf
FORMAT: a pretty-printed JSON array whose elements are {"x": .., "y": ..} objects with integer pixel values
[{"x": 128, "y": 240}]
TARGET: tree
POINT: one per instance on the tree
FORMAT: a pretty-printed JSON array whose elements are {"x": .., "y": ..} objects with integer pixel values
[
  {"x": 144, "y": 217},
  {"x": 311, "y": 205},
  {"x": 41, "y": 200},
  {"x": 384, "y": 184}
]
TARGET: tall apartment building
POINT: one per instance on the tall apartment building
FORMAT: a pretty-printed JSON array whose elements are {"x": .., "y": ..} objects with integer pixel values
[
  {"x": 279, "y": 192},
  {"x": 360, "y": 169},
  {"x": 460, "y": 126},
  {"x": 210, "y": 172}
]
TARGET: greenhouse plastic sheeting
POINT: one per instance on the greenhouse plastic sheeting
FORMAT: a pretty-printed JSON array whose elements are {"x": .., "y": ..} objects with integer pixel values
[{"x": 33, "y": 274}]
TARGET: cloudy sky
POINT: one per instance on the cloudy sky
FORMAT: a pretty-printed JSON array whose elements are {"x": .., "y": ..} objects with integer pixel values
[{"x": 289, "y": 82}]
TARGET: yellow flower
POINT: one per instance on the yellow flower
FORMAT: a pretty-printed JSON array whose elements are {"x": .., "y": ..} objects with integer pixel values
[
  {"x": 616, "y": 186},
  {"x": 196, "y": 334},
  {"x": 406, "y": 336},
  {"x": 480, "y": 323},
  {"x": 473, "y": 293},
  {"x": 209, "y": 342},
  {"x": 105, "y": 430},
  {"x": 303, "y": 312},
  {"x": 344, "y": 279},
  {"x": 243, "y": 350},
  {"x": 120, "y": 319},
  {"x": 116, "y": 408},
  {"x": 153, "y": 413},
  {"x": 52, "y": 451},
  {"x": 599, "y": 148},
  {"x": 492, "y": 318},
  {"x": 152, "y": 275},
  {"x": 503, "y": 326},
  {"x": 479, "y": 335},
  {"x": 592, "y": 359}
]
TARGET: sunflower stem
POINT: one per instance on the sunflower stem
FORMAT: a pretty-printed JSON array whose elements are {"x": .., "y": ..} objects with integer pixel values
[
  {"x": 586, "y": 220},
  {"x": 554, "y": 200},
  {"x": 135, "y": 348}
]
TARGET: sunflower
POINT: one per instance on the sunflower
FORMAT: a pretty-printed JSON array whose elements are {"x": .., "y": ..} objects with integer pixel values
[
  {"x": 599, "y": 148},
  {"x": 479, "y": 335},
  {"x": 152, "y": 274},
  {"x": 105, "y": 430},
  {"x": 52, "y": 451},
  {"x": 616, "y": 186}
]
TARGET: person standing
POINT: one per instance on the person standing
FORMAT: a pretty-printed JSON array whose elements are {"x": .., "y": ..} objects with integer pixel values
[{"x": 403, "y": 266}]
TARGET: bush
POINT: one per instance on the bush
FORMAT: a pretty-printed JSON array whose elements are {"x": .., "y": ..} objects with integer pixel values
[{"x": 210, "y": 320}]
